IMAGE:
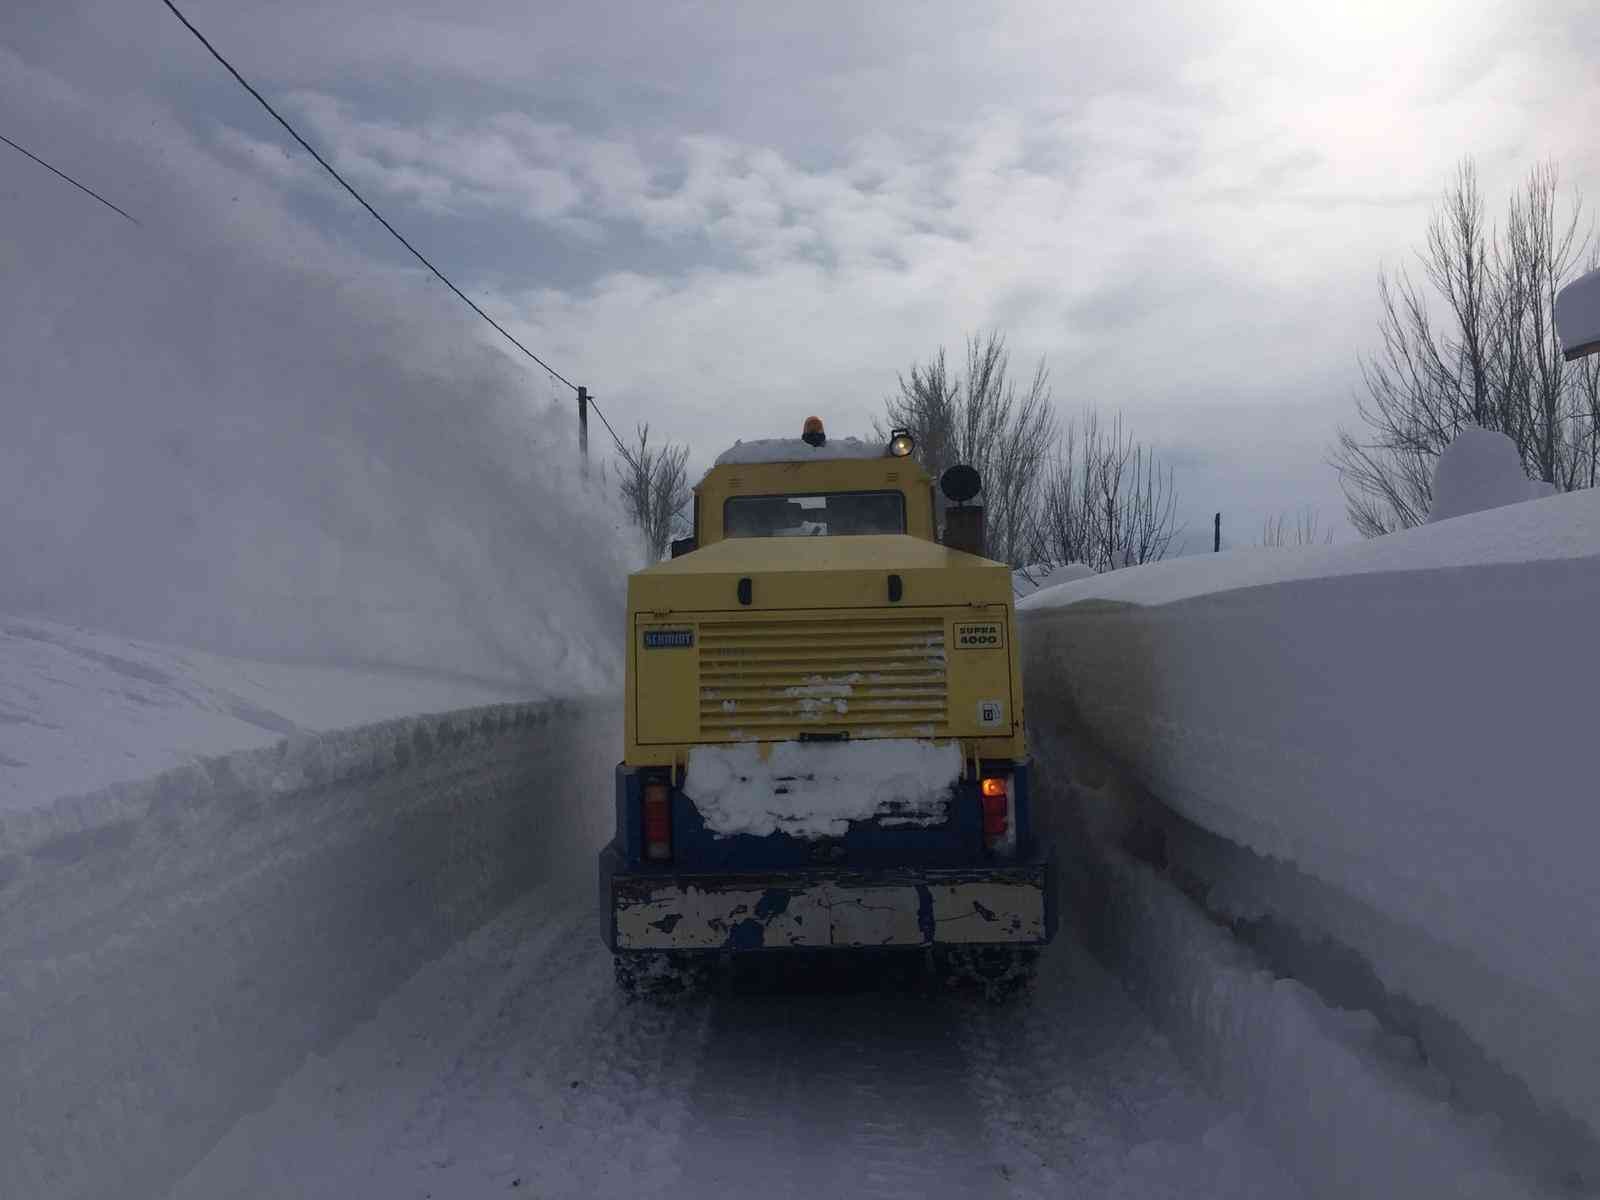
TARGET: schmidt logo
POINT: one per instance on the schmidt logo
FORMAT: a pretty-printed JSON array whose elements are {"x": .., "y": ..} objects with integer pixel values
[{"x": 668, "y": 639}]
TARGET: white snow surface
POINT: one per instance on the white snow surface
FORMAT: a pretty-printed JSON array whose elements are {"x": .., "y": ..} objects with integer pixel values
[
  {"x": 81, "y": 709},
  {"x": 815, "y": 789},
  {"x": 778, "y": 450},
  {"x": 511, "y": 1066},
  {"x": 1406, "y": 721},
  {"x": 1479, "y": 470}
]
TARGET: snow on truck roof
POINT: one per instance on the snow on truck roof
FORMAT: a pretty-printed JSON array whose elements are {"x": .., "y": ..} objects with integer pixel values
[{"x": 781, "y": 450}]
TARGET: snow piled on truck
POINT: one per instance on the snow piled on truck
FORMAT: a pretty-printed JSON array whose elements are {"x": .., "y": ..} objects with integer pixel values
[
  {"x": 816, "y": 790},
  {"x": 1407, "y": 722}
]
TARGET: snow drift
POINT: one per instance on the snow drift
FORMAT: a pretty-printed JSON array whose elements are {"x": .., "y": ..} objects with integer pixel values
[{"x": 1407, "y": 722}]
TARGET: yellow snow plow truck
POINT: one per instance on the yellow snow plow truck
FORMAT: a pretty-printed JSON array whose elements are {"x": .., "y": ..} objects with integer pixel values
[{"x": 824, "y": 728}]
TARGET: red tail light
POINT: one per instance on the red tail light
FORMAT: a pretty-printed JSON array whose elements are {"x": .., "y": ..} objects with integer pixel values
[
  {"x": 996, "y": 809},
  {"x": 657, "y": 821}
]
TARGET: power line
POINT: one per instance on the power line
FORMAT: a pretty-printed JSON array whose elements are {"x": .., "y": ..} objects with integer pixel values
[
  {"x": 244, "y": 83},
  {"x": 68, "y": 178},
  {"x": 361, "y": 200},
  {"x": 609, "y": 430}
]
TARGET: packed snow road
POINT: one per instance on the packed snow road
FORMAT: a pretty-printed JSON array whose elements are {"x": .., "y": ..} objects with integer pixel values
[{"x": 511, "y": 1065}]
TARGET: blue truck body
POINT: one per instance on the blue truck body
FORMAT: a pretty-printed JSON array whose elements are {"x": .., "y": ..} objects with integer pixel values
[{"x": 876, "y": 886}]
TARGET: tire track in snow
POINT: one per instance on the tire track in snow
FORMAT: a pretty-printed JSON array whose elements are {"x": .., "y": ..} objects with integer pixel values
[
  {"x": 1084, "y": 1098},
  {"x": 508, "y": 1066},
  {"x": 853, "y": 1095},
  {"x": 511, "y": 1066}
]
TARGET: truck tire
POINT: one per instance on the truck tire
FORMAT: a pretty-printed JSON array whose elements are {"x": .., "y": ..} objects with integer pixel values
[
  {"x": 1001, "y": 973},
  {"x": 660, "y": 975}
]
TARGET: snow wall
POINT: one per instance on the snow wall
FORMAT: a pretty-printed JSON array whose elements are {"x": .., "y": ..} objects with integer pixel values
[
  {"x": 173, "y": 949},
  {"x": 1386, "y": 746},
  {"x": 1350, "y": 1108}
]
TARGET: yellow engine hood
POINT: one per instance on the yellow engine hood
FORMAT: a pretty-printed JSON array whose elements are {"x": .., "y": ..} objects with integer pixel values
[{"x": 818, "y": 572}]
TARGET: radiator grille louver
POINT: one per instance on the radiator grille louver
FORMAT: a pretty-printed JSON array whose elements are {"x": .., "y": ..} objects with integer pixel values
[{"x": 774, "y": 680}]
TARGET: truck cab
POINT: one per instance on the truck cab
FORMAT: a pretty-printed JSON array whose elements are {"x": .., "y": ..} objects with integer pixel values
[{"x": 824, "y": 737}]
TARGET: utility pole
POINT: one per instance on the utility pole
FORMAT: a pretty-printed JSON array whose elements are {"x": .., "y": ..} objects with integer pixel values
[
  {"x": 583, "y": 429},
  {"x": 1216, "y": 534}
]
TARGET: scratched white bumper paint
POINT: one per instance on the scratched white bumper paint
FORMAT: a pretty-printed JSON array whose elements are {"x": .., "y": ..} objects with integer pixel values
[{"x": 674, "y": 917}]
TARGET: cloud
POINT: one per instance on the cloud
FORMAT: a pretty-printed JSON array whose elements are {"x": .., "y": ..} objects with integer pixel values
[{"x": 720, "y": 216}]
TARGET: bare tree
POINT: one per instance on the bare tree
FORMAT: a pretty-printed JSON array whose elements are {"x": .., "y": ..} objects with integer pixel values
[
  {"x": 1306, "y": 531},
  {"x": 1492, "y": 361},
  {"x": 983, "y": 419},
  {"x": 655, "y": 484},
  {"x": 1106, "y": 500}
]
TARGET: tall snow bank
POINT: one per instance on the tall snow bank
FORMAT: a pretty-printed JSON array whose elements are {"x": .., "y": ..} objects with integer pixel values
[
  {"x": 1350, "y": 1109},
  {"x": 1408, "y": 720},
  {"x": 222, "y": 429},
  {"x": 1480, "y": 469},
  {"x": 173, "y": 949}
]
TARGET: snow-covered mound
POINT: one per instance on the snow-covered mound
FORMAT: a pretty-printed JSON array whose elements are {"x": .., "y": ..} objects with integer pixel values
[
  {"x": 80, "y": 710},
  {"x": 775, "y": 450},
  {"x": 1480, "y": 469},
  {"x": 1409, "y": 723}
]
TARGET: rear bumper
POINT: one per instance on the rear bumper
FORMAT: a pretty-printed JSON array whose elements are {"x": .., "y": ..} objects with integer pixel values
[{"x": 1010, "y": 904}]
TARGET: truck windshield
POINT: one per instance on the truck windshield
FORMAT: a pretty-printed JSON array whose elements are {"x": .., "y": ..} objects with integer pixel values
[{"x": 829, "y": 514}]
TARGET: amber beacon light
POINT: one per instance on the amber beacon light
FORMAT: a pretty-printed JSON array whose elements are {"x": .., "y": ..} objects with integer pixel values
[{"x": 811, "y": 432}]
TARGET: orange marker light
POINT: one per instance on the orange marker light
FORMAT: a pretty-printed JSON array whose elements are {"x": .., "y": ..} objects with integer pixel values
[
  {"x": 996, "y": 810},
  {"x": 657, "y": 822},
  {"x": 811, "y": 432}
]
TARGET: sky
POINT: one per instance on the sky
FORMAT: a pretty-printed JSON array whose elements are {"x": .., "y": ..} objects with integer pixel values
[{"x": 724, "y": 217}]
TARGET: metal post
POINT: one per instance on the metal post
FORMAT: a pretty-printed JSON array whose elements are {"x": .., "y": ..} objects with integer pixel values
[
  {"x": 583, "y": 428},
  {"x": 1216, "y": 534}
]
